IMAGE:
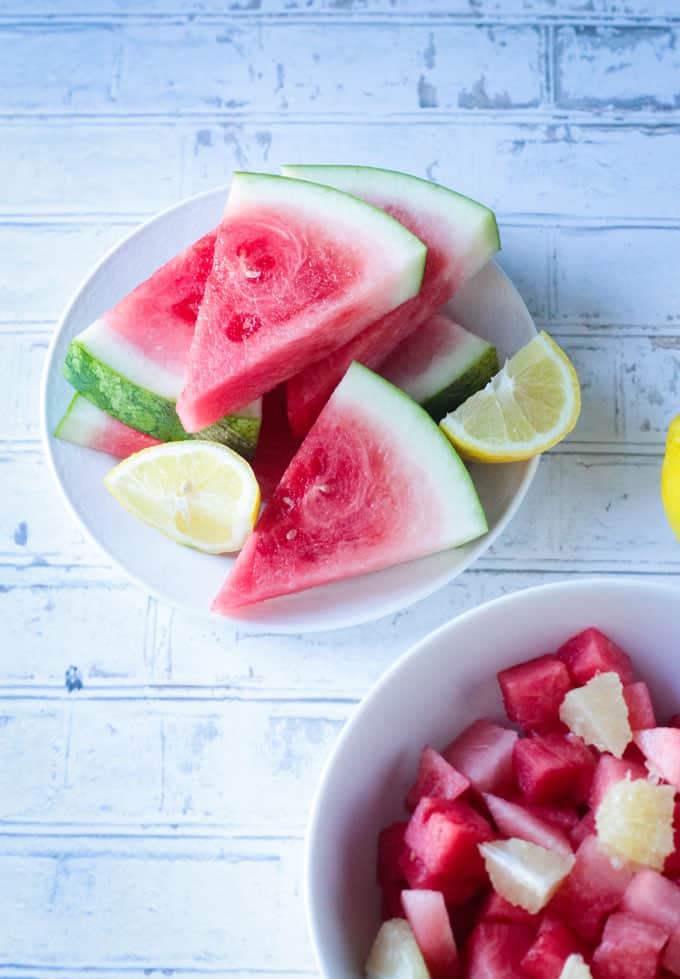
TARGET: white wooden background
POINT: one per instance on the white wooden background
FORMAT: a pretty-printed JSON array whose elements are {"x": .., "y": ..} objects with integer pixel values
[{"x": 151, "y": 823}]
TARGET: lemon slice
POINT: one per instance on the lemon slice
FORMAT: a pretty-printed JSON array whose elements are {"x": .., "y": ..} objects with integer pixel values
[
  {"x": 200, "y": 494},
  {"x": 670, "y": 477},
  {"x": 531, "y": 404}
]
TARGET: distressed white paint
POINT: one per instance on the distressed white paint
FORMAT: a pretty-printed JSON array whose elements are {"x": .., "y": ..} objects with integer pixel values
[{"x": 153, "y": 820}]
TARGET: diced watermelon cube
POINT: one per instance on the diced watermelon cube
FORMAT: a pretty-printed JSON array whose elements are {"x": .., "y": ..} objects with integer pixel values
[
  {"x": 661, "y": 748},
  {"x": 391, "y": 906},
  {"x": 594, "y": 887},
  {"x": 629, "y": 949},
  {"x": 517, "y": 821},
  {"x": 444, "y": 836},
  {"x": 566, "y": 817},
  {"x": 429, "y": 920},
  {"x": 553, "y": 945},
  {"x": 483, "y": 753},
  {"x": 608, "y": 771},
  {"x": 671, "y": 954},
  {"x": 436, "y": 778},
  {"x": 496, "y": 908},
  {"x": 652, "y": 897},
  {"x": 533, "y": 691},
  {"x": 590, "y": 652},
  {"x": 584, "y": 827},
  {"x": 672, "y": 865},
  {"x": 495, "y": 950},
  {"x": 553, "y": 767},
  {"x": 391, "y": 847},
  {"x": 640, "y": 708}
]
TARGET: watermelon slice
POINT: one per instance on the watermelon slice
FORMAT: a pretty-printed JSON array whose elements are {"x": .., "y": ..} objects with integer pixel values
[
  {"x": 461, "y": 235},
  {"x": 440, "y": 365},
  {"x": 276, "y": 445},
  {"x": 131, "y": 361},
  {"x": 299, "y": 270},
  {"x": 85, "y": 424},
  {"x": 374, "y": 483}
]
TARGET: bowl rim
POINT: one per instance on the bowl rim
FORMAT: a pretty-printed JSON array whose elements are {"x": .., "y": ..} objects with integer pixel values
[
  {"x": 251, "y": 622},
  {"x": 623, "y": 583}
]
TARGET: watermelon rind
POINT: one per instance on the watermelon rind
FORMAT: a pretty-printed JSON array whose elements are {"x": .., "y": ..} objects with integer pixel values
[
  {"x": 149, "y": 412},
  {"x": 80, "y": 422},
  {"x": 464, "y": 364},
  {"x": 345, "y": 211},
  {"x": 467, "y": 215}
]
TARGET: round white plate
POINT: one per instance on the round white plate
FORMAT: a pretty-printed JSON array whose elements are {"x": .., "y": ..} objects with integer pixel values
[{"x": 488, "y": 305}]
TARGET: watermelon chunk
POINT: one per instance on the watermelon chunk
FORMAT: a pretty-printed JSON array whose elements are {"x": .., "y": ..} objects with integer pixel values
[
  {"x": 496, "y": 949},
  {"x": 85, "y": 424},
  {"x": 629, "y": 949},
  {"x": 653, "y": 897},
  {"x": 375, "y": 483},
  {"x": 390, "y": 905},
  {"x": 436, "y": 778},
  {"x": 591, "y": 652},
  {"x": 594, "y": 887},
  {"x": 640, "y": 707},
  {"x": 533, "y": 692},
  {"x": 429, "y": 920},
  {"x": 496, "y": 908},
  {"x": 674, "y": 721},
  {"x": 460, "y": 234},
  {"x": 553, "y": 767},
  {"x": 553, "y": 945},
  {"x": 518, "y": 821},
  {"x": 131, "y": 362},
  {"x": 440, "y": 365},
  {"x": 276, "y": 445},
  {"x": 299, "y": 270},
  {"x": 483, "y": 753},
  {"x": 391, "y": 847},
  {"x": 566, "y": 817},
  {"x": 444, "y": 836},
  {"x": 608, "y": 771},
  {"x": 661, "y": 748},
  {"x": 585, "y": 827}
]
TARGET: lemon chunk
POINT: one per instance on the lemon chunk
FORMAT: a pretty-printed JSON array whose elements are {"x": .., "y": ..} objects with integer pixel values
[
  {"x": 634, "y": 821},
  {"x": 598, "y": 713},
  {"x": 523, "y": 873},
  {"x": 395, "y": 954},
  {"x": 200, "y": 494},
  {"x": 575, "y": 968},
  {"x": 530, "y": 405}
]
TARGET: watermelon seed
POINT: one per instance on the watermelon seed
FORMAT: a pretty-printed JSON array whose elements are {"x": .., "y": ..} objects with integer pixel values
[
  {"x": 292, "y": 534},
  {"x": 287, "y": 500}
]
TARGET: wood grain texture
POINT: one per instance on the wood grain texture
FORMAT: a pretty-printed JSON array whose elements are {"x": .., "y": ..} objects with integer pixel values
[{"x": 157, "y": 770}]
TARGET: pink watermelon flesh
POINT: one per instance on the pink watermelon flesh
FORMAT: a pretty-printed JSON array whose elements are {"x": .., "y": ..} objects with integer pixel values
[
  {"x": 435, "y": 778},
  {"x": 553, "y": 768},
  {"x": 564, "y": 817},
  {"x": 496, "y": 949},
  {"x": 674, "y": 721},
  {"x": 553, "y": 945},
  {"x": 671, "y": 955},
  {"x": 298, "y": 271},
  {"x": 584, "y": 827},
  {"x": 120, "y": 441},
  {"x": 391, "y": 906},
  {"x": 516, "y": 821},
  {"x": 653, "y": 897},
  {"x": 483, "y": 753},
  {"x": 452, "y": 257},
  {"x": 672, "y": 865},
  {"x": 429, "y": 920},
  {"x": 85, "y": 424},
  {"x": 372, "y": 485},
  {"x": 533, "y": 692},
  {"x": 594, "y": 887},
  {"x": 629, "y": 949},
  {"x": 640, "y": 708},
  {"x": 608, "y": 771},
  {"x": 391, "y": 847},
  {"x": 276, "y": 445},
  {"x": 591, "y": 652},
  {"x": 496, "y": 908},
  {"x": 661, "y": 748}
]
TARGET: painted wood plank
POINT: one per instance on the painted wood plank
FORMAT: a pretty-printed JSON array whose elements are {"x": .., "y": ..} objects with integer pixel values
[{"x": 22, "y": 356}]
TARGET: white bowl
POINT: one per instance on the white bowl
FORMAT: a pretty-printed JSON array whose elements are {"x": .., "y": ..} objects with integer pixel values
[
  {"x": 442, "y": 684},
  {"x": 488, "y": 305}
]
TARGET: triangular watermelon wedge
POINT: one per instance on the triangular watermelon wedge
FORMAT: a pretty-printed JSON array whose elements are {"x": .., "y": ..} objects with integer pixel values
[
  {"x": 374, "y": 484},
  {"x": 131, "y": 361},
  {"x": 85, "y": 424},
  {"x": 461, "y": 236},
  {"x": 299, "y": 270}
]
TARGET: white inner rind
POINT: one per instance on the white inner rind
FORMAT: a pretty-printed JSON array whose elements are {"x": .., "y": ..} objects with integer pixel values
[{"x": 82, "y": 421}]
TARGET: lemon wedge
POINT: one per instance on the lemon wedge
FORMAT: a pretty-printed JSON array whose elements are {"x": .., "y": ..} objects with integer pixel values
[
  {"x": 529, "y": 406},
  {"x": 200, "y": 494},
  {"x": 670, "y": 477}
]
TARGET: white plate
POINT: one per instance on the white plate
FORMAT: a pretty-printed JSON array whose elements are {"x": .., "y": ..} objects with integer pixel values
[
  {"x": 434, "y": 691},
  {"x": 488, "y": 305}
]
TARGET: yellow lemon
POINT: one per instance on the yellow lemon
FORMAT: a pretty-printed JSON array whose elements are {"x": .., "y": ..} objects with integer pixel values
[{"x": 670, "y": 476}]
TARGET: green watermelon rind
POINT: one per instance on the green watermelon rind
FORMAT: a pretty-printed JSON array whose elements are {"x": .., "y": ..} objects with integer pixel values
[
  {"x": 467, "y": 383},
  {"x": 146, "y": 411},
  {"x": 489, "y": 237}
]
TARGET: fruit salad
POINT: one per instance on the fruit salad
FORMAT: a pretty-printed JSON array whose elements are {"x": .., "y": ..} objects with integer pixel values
[{"x": 546, "y": 848}]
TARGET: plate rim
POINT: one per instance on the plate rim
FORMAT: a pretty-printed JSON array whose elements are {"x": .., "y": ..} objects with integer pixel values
[{"x": 247, "y": 624}]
